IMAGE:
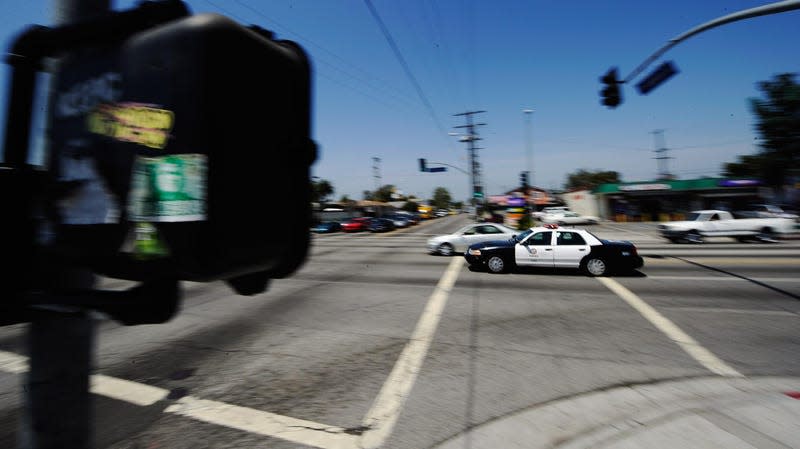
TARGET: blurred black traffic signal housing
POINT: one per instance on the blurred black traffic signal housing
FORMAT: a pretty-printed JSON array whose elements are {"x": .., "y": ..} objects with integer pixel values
[
  {"x": 422, "y": 165},
  {"x": 611, "y": 93},
  {"x": 523, "y": 179},
  {"x": 163, "y": 146}
]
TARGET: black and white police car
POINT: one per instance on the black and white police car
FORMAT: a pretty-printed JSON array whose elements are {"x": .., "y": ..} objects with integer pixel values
[{"x": 550, "y": 246}]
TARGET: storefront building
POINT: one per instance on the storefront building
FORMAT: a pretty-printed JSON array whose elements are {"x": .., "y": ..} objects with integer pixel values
[
  {"x": 510, "y": 207},
  {"x": 665, "y": 200}
]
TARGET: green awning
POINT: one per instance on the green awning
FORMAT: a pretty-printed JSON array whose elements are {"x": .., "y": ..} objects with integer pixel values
[{"x": 676, "y": 185}]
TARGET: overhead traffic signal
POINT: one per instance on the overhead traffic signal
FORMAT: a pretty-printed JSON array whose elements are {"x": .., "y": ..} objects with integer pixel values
[
  {"x": 611, "y": 93},
  {"x": 523, "y": 179},
  {"x": 422, "y": 165}
]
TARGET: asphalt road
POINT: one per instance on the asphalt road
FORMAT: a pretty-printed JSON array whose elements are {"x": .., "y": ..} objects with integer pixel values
[{"x": 375, "y": 343}]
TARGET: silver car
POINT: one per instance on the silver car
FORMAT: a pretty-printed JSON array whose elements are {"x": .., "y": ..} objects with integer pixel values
[{"x": 459, "y": 241}]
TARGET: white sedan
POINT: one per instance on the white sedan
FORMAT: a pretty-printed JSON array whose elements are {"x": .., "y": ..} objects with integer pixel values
[
  {"x": 459, "y": 241},
  {"x": 565, "y": 218}
]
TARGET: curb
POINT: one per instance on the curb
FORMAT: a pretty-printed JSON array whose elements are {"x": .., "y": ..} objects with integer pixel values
[{"x": 596, "y": 418}]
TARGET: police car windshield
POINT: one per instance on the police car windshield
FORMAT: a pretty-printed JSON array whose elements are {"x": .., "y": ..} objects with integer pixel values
[{"x": 520, "y": 237}]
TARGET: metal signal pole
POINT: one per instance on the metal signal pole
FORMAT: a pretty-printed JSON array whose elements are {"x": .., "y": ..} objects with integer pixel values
[
  {"x": 57, "y": 408},
  {"x": 470, "y": 138}
]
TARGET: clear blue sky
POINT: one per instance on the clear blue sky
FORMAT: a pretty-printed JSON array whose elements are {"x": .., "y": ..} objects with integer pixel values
[{"x": 503, "y": 57}]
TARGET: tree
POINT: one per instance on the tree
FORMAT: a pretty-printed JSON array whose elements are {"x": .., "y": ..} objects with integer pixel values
[
  {"x": 587, "y": 180},
  {"x": 778, "y": 123},
  {"x": 441, "y": 198},
  {"x": 525, "y": 222},
  {"x": 384, "y": 193},
  {"x": 368, "y": 196},
  {"x": 410, "y": 206},
  {"x": 748, "y": 166},
  {"x": 321, "y": 189}
]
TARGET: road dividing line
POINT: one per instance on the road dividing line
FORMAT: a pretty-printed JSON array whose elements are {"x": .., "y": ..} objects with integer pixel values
[
  {"x": 13, "y": 363},
  {"x": 672, "y": 331},
  {"x": 264, "y": 423},
  {"x": 386, "y": 408},
  {"x": 125, "y": 390},
  {"x": 378, "y": 422},
  {"x": 250, "y": 420}
]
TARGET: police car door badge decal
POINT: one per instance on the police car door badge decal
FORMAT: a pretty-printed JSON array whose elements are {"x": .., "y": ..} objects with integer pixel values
[{"x": 168, "y": 188}]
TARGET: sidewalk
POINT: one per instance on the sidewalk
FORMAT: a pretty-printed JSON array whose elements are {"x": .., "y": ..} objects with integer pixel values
[{"x": 724, "y": 413}]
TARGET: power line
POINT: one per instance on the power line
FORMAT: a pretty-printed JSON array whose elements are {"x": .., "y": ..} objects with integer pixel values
[
  {"x": 398, "y": 93},
  {"x": 401, "y": 101},
  {"x": 453, "y": 74},
  {"x": 404, "y": 64}
]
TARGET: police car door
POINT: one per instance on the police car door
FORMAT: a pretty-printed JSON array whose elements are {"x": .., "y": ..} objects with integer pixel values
[
  {"x": 570, "y": 249},
  {"x": 536, "y": 250}
]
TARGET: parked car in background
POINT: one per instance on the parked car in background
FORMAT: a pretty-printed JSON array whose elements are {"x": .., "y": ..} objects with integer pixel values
[
  {"x": 399, "y": 220},
  {"x": 425, "y": 212},
  {"x": 568, "y": 218},
  {"x": 550, "y": 210},
  {"x": 380, "y": 225},
  {"x": 327, "y": 227},
  {"x": 441, "y": 213},
  {"x": 412, "y": 217},
  {"x": 457, "y": 242},
  {"x": 764, "y": 211},
  {"x": 356, "y": 224}
]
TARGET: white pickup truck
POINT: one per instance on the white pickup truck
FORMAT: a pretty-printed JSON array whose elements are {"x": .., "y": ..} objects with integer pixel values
[{"x": 720, "y": 223}]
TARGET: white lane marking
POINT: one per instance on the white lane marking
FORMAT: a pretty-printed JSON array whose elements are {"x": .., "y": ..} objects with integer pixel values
[
  {"x": 125, "y": 390},
  {"x": 380, "y": 419},
  {"x": 672, "y": 331},
  {"x": 13, "y": 363},
  {"x": 386, "y": 408},
  {"x": 264, "y": 423}
]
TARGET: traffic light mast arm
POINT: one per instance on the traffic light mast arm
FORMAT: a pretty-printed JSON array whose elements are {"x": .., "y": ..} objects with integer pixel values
[
  {"x": 773, "y": 8},
  {"x": 451, "y": 166}
]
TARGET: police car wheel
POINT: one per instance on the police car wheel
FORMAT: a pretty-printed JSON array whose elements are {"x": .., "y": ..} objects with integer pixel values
[
  {"x": 496, "y": 264},
  {"x": 595, "y": 267}
]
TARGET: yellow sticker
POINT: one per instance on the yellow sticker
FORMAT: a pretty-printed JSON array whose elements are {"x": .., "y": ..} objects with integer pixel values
[{"x": 132, "y": 122}]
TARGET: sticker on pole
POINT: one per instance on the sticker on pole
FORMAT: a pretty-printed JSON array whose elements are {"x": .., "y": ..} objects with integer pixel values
[
  {"x": 132, "y": 122},
  {"x": 168, "y": 188}
]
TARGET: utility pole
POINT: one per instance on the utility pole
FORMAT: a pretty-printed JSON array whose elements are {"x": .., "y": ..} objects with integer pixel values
[
  {"x": 528, "y": 145},
  {"x": 475, "y": 168},
  {"x": 57, "y": 408},
  {"x": 661, "y": 157},
  {"x": 376, "y": 172}
]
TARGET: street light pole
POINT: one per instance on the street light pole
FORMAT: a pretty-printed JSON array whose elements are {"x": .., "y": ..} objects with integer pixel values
[{"x": 528, "y": 147}]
